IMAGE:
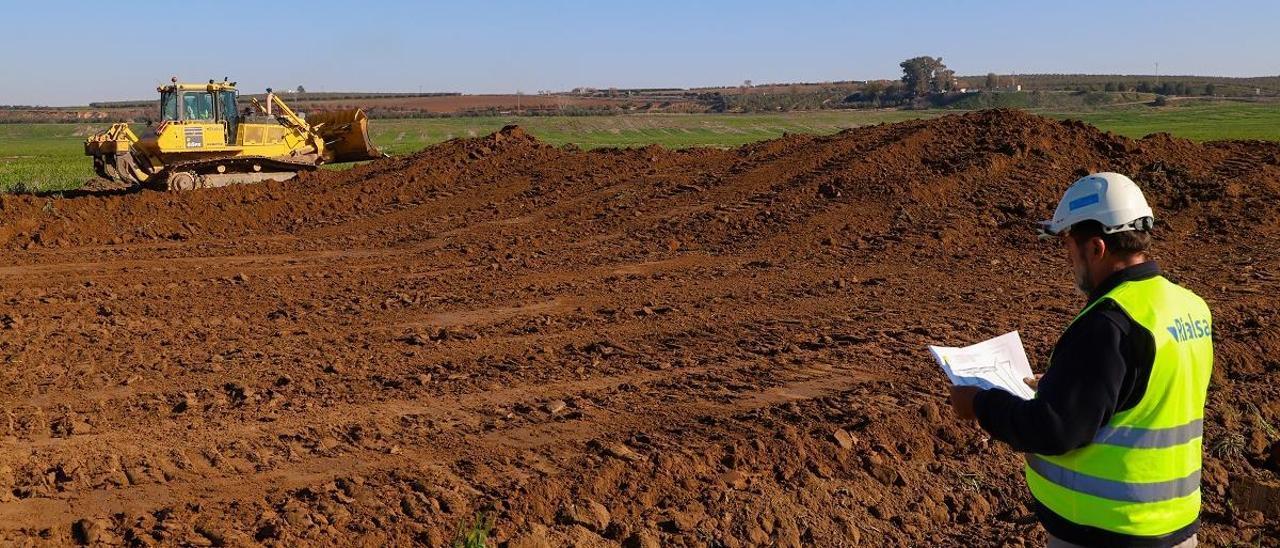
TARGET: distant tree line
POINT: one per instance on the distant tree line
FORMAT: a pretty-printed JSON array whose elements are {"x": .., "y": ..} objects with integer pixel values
[
  {"x": 1164, "y": 88},
  {"x": 299, "y": 95},
  {"x": 1166, "y": 84}
]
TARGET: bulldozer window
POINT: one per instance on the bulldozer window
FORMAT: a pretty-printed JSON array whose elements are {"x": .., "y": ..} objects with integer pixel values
[
  {"x": 168, "y": 106},
  {"x": 197, "y": 105},
  {"x": 228, "y": 113},
  {"x": 227, "y": 106}
]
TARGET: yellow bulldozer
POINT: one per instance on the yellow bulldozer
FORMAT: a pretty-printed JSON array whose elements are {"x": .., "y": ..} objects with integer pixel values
[{"x": 203, "y": 140}]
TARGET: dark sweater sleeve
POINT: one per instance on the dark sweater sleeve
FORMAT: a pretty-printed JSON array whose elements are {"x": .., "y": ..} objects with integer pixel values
[{"x": 1077, "y": 395}]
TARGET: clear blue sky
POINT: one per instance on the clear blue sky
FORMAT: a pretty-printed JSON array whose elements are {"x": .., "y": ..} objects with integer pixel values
[{"x": 59, "y": 52}]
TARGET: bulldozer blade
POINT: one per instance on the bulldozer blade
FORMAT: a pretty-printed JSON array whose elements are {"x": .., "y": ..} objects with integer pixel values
[{"x": 345, "y": 134}]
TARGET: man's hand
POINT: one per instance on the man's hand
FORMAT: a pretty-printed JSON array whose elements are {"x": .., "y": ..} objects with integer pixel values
[
  {"x": 1034, "y": 382},
  {"x": 962, "y": 401}
]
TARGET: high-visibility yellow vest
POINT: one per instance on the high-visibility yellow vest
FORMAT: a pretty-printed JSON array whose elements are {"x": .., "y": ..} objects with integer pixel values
[{"x": 1141, "y": 474}]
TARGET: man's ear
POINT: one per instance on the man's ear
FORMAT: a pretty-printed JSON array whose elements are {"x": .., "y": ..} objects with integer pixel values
[{"x": 1097, "y": 247}]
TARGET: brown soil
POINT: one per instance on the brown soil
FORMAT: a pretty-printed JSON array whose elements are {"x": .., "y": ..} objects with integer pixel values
[{"x": 644, "y": 346}]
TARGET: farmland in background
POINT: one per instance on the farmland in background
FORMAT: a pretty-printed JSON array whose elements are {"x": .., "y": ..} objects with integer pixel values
[{"x": 49, "y": 157}]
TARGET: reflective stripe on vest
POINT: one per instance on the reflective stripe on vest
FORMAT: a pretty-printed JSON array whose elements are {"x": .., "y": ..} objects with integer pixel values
[
  {"x": 1116, "y": 490},
  {"x": 1133, "y": 436},
  {"x": 1140, "y": 475}
]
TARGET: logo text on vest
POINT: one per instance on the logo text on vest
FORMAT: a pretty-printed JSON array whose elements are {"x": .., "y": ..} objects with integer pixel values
[{"x": 1185, "y": 330}]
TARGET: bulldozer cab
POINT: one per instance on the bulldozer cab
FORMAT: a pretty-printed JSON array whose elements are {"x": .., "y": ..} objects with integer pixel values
[{"x": 201, "y": 105}]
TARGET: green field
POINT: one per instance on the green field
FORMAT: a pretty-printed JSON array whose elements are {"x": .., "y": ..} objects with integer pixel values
[
  {"x": 1198, "y": 120},
  {"x": 46, "y": 157}
]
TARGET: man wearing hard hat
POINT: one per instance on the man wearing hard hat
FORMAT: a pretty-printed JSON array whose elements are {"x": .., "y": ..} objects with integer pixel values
[{"x": 1113, "y": 436}]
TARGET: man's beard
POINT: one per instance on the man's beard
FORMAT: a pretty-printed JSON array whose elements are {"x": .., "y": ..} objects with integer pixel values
[{"x": 1082, "y": 276}]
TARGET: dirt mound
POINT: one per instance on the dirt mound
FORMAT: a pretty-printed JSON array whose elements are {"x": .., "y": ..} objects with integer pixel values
[
  {"x": 962, "y": 173},
  {"x": 630, "y": 346}
]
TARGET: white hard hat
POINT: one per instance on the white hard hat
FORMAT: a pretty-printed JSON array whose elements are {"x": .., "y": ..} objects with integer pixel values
[{"x": 1112, "y": 199}]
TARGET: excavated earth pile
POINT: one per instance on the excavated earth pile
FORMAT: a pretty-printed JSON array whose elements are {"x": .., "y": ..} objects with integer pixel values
[{"x": 643, "y": 346}]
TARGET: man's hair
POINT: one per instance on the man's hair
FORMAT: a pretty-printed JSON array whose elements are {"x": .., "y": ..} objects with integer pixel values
[{"x": 1124, "y": 244}]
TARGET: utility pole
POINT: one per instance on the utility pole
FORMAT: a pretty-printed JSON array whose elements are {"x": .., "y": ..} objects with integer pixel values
[{"x": 1157, "y": 74}]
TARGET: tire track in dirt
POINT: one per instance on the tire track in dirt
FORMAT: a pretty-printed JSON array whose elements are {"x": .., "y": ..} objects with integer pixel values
[{"x": 43, "y": 512}]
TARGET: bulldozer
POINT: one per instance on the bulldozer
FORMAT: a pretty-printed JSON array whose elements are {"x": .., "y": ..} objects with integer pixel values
[{"x": 203, "y": 140}]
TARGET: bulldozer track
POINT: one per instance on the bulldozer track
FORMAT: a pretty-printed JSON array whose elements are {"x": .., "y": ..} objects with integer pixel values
[{"x": 201, "y": 170}]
